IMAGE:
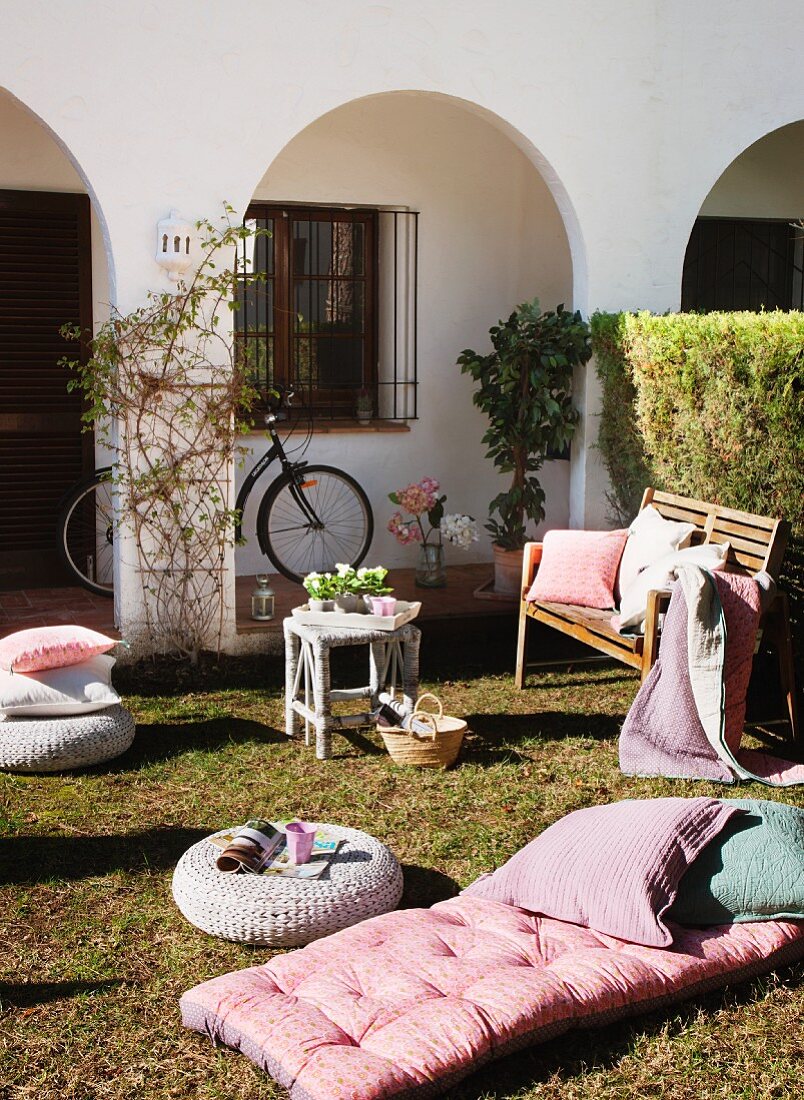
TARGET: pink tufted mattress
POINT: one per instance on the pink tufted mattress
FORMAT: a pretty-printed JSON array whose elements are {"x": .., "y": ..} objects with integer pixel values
[{"x": 406, "y": 1004}]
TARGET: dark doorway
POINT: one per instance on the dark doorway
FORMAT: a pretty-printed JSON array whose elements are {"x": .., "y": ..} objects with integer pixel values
[
  {"x": 45, "y": 282},
  {"x": 739, "y": 263}
]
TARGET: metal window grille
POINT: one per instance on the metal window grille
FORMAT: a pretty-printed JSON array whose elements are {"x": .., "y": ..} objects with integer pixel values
[
  {"x": 335, "y": 316},
  {"x": 736, "y": 263}
]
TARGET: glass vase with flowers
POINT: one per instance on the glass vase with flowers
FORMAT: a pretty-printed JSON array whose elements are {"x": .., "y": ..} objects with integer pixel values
[{"x": 428, "y": 527}]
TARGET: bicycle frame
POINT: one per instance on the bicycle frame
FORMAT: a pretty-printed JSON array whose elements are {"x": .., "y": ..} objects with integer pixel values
[{"x": 276, "y": 450}]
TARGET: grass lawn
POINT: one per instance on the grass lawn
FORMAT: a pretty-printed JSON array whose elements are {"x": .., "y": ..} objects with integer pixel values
[{"x": 95, "y": 954}]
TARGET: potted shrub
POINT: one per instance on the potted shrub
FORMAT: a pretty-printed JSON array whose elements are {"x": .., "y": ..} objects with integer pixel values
[
  {"x": 524, "y": 387},
  {"x": 364, "y": 406}
]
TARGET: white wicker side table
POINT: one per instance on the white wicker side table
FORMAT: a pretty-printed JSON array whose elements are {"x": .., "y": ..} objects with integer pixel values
[
  {"x": 363, "y": 880},
  {"x": 309, "y": 694}
]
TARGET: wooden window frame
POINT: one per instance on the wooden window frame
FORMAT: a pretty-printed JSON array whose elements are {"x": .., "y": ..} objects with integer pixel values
[{"x": 320, "y": 403}]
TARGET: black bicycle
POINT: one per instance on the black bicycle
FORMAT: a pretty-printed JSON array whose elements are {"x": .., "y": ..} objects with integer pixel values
[{"x": 310, "y": 517}]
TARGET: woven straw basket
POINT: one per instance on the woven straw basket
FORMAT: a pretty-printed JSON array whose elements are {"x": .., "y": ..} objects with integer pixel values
[{"x": 436, "y": 749}]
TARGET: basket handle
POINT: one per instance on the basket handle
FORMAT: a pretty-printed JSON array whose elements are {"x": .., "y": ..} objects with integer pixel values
[
  {"x": 428, "y": 717},
  {"x": 419, "y": 713}
]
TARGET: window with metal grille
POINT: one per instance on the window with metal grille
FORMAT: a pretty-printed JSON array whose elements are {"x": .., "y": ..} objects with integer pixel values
[
  {"x": 739, "y": 263},
  {"x": 334, "y": 316}
]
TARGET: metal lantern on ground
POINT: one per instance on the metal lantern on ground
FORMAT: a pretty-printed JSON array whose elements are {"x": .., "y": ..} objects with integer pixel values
[
  {"x": 262, "y": 599},
  {"x": 174, "y": 244}
]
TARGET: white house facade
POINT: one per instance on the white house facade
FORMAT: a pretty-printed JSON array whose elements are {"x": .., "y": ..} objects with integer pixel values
[{"x": 525, "y": 148}]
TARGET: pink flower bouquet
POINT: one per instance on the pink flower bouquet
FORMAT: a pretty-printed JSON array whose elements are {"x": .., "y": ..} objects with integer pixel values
[{"x": 420, "y": 500}]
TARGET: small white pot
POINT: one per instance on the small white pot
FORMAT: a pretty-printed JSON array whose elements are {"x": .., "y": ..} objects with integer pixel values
[{"x": 321, "y": 605}]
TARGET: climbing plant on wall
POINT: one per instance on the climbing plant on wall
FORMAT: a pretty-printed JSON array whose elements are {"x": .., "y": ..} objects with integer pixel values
[{"x": 168, "y": 390}]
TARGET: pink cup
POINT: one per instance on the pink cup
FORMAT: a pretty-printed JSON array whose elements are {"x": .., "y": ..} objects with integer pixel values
[
  {"x": 383, "y": 605},
  {"x": 300, "y": 839}
]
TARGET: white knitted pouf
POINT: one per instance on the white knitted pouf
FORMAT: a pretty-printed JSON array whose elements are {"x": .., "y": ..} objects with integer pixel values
[
  {"x": 74, "y": 741},
  {"x": 363, "y": 880}
]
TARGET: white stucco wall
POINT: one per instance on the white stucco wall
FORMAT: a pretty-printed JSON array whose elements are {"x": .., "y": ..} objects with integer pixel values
[
  {"x": 490, "y": 236},
  {"x": 631, "y": 111}
]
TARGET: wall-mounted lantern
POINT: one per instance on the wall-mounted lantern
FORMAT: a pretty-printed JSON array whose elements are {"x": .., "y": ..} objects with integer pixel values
[{"x": 174, "y": 244}]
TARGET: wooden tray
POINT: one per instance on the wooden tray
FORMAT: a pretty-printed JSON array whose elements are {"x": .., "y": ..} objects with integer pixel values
[{"x": 353, "y": 620}]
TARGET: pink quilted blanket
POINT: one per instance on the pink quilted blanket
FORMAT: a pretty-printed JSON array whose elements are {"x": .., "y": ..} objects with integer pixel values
[
  {"x": 687, "y": 719},
  {"x": 406, "y": 1004}
]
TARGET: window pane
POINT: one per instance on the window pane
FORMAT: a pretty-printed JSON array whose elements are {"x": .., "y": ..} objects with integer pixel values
[
  {"x": 255, "y": 307},
  {"x": 329, "y": 362},
  {"x": 257, "y": 355},
  {"x": 257, "y": 253},
  {"x": 322, "y": 248},
  {"x": 328, "y": 305}
]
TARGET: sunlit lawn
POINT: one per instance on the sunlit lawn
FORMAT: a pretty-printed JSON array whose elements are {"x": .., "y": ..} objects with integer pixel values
[{"x": 96, "y": 954}]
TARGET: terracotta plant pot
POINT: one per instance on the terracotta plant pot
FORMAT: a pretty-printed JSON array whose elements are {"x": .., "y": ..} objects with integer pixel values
[{"x": 507, "y": 571}]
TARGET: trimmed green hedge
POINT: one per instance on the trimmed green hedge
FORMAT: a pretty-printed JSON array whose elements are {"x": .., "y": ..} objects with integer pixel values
[{"x": 710, "y": 406}]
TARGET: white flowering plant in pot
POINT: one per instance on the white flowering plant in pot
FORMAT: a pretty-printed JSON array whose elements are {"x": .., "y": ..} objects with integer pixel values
[{"x": 321, "y": 588}]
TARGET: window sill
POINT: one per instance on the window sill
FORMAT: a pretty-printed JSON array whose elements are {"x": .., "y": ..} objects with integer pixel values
[{"x": 344, "y": 427}]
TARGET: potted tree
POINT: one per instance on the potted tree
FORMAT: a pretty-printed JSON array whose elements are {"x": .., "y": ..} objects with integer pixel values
[{"x": 524, "y": 387}]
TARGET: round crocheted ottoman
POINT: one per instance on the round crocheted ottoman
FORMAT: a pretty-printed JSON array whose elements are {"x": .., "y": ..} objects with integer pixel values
[
  {"x": 74, "y": 741},
  {"x": 363, "y": 880}
]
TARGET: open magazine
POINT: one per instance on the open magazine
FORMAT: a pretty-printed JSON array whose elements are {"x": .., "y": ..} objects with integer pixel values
[{"x": 270, "y": 855}]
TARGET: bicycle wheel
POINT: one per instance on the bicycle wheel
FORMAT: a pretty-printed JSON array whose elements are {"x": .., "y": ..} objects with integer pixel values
[
  {"x": 296, "y": 542},
  {"x": 86, "y": 533}
]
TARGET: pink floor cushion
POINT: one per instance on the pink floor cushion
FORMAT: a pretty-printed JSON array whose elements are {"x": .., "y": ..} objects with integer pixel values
[{"x": 407, "y": 1004}]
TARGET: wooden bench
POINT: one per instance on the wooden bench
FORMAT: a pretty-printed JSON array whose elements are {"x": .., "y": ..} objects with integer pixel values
[{"x": 757, "y": 543}]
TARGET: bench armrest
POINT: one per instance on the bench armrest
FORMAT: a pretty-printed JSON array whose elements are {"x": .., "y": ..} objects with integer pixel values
[
  {"x": 530, "y": 563},
  {"x": 658, "y": 599}
]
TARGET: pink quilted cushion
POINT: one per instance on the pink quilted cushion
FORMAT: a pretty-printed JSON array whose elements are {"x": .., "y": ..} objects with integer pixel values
[
  {"x": 614, "y": 868},
  {"x": 579, "y": 567},
  {"x": 405, "y": 1005},
  {"x": 51, "y": 647}
]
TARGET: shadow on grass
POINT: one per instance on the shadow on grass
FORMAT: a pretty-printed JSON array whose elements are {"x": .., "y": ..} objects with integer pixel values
[
  {"x": 578, "y": 1051},
  {"x": 30, "y": 994},
  {"x": 495, "y": 737},
  {"x": 32, "y": 859},
  {"x": 424, "y": 887},
  {"x": 157, "y": 741}
]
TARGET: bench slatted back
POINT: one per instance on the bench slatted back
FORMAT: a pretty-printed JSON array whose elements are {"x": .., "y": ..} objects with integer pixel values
[{"x": 757, "y": 542}]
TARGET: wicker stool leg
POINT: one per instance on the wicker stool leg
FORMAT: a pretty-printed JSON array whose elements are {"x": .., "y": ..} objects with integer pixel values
[
  {"x": 378, "y": 670},
  {"x": 322, "y": 700},
  {"x": 292, "y": 649},
  {"x": 410, "y": 673}
]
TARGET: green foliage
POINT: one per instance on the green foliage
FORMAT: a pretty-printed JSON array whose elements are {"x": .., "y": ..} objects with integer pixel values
[
  {"x": 322, "y": 586},
  {"x": 709, "y": 406},
  {"x": 619, "y": 438},
  {"x": 524, "y": 387}
]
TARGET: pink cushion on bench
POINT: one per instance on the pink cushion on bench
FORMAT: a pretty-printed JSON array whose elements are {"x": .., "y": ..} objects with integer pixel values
[
  {"x": 406, "y": 1004},
  {"x": 579, "y": 567}
]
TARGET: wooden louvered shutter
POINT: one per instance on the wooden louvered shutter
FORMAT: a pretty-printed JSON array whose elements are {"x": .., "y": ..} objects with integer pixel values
[{"x": 45, "y": 281}]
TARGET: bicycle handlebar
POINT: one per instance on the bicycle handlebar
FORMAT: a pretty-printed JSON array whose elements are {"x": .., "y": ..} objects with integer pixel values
[{"x": 283, "y": 398}]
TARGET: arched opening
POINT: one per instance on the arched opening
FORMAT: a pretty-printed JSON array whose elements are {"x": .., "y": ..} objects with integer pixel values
[
  {"x": 404, "y": 226},
  {"x": 53, "y": 272},
  {"x": 745, "y": 251}
]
